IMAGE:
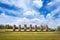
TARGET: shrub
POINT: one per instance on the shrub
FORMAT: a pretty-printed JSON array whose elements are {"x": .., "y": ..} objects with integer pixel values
[{"x": 58, "y": 28}]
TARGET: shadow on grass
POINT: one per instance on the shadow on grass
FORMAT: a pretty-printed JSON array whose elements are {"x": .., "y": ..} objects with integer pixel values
[{"x": 29, "y": 31}]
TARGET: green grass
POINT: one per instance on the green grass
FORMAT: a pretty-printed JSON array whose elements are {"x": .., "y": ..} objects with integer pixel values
[{"x": 29, "y": 35}]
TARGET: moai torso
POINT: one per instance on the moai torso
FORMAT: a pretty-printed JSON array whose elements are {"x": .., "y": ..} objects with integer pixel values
[
  {"x": 14, "y": 27},
  {"x": 30, "y": 27},
  {"x": 19, "y": 28},
  {"x": 25, "y": 27},
  {"x": 35, "y": 27},
  {"x": 46, "y": 27},
  {"x": 41, "y": 28}
]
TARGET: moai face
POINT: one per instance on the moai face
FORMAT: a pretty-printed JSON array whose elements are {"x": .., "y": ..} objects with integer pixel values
[
  {"x": 14, "y": 27},
  {"x": 35, "y": 27},
  {"x": 30, "y": 27},
  {"x": 46, "y": 27},
  {"x": 25, "y": 27},
  {"x": 41, "y": 28},
  {"x": 19, "y": 28}
]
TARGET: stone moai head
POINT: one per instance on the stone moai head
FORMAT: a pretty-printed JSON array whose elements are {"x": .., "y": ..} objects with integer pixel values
[
  {"x": 25, "y": 27},
  {"x": 14, "y": 27},
  {"x": 46, "y": 27},
  {"x": 41, "y": 28},
  {"x": 30, "y": 27},
  {"x": 19, "y": 28},
  {"x": 35, "y": 27}
]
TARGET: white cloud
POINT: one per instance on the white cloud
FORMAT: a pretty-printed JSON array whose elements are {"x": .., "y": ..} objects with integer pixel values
[
  {"x": 37, "y": 3},
  {"x": 18, "y": 3},
  {"x": 23, "y": 3},
  {"x": 51, "y": 3},
  {"x": 28, "y": 13},
  {"x": 50, "y": 18},
  {"x": 54, "y": 12},
  {"x": 26, "y": 6},
  {"x": 54, "y": 2},
  {"x": 4, "y": 19},
  {"x": 31, "y": 13},
  {"x": 57, "y": 0},
  {"x": 17, "y": 13}
]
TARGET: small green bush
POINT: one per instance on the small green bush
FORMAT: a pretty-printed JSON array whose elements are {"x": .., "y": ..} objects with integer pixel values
[{"x": 58, "y": 28}]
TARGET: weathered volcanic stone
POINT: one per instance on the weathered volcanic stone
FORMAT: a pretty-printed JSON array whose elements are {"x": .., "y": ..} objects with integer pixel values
[
  {"x": 25, "y": 27},
  {"x": 14, "y": 27},
  {"x": 35, "y": 27},
  {"x": 30, "y": 27},
  {"x": 19, "y": 28},
  {"x": 46, "y": 27},
  {"x": 41, "y": 28}
]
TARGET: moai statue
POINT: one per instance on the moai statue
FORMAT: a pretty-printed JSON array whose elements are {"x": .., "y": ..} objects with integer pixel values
[
  {"x": 14, "y": 27},
  {"x": 41, "y": 28},
  {"x": 25, "y": 27},
  {"x": 19, "y": 28},
  {"x": 46, "y": 27},
  {"x": 30, "y": 27},
  {"x": 35, "y": 27}
]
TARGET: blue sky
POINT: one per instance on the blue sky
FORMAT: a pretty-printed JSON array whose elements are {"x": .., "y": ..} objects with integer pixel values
[{"x": 45, "y": 12}]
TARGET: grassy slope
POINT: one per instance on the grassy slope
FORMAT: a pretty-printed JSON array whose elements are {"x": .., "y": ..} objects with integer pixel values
[{"x": 29, "y": 36}]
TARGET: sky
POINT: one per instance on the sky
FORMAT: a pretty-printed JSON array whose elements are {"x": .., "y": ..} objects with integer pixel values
[{"x": 35, "y": 12}]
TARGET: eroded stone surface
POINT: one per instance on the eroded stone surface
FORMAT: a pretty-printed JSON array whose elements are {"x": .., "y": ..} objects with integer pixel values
[
  {"x": 14, "y": 27},
  {"x": 35, "y": 27},
  {"x": 25, "y": 27},
  {"x": 30, "y": 27},
  {"x": 19, "y": 28},
  {"x": 41, "y": 28},
  {"x": 46, "y": 27}
]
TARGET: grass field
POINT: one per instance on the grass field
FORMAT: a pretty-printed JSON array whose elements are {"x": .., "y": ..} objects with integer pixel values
[{"x": 29, "y": 35}]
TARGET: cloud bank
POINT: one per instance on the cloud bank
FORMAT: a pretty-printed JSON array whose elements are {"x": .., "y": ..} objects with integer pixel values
[{"x": 27, "y": 12}]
